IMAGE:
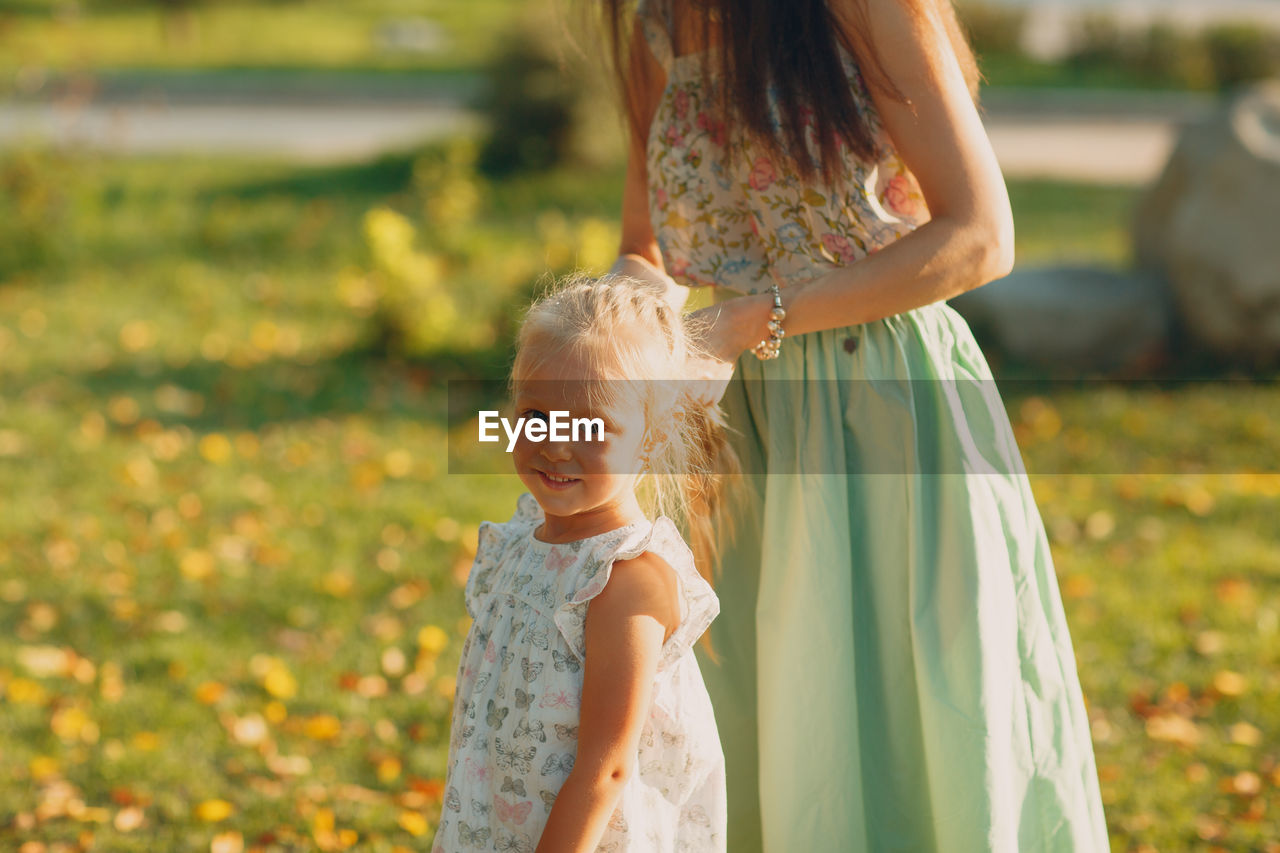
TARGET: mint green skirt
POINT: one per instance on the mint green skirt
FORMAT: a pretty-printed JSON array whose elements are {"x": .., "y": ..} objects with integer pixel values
[{"x": 893, "y": 665}]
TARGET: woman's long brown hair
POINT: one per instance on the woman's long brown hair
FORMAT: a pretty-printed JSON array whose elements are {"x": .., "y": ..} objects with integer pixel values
[{"x": 793, "y": 46}]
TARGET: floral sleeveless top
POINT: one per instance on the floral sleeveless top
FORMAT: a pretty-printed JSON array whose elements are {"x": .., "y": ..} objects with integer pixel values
[
  {"x": 515, "y": 716},
  {"x": 746, "y": 225}
]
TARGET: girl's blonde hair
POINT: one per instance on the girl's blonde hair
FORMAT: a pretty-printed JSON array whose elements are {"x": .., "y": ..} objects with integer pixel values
[{"x": 634, "y": 342}]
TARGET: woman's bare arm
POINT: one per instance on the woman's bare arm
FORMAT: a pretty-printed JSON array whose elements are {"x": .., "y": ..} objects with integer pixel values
[
  {"x": 969, "y": 238},
  {"x": 639, "y": 255}
]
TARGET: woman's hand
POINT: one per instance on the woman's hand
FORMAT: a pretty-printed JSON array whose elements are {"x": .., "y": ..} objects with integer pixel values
[
  {"x": 730, "y": 328},
  {"x": 725, "y": 331}
]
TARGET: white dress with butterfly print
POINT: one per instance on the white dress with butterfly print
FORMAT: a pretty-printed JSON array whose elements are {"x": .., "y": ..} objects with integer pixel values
[{"x": 515, "y": 715}]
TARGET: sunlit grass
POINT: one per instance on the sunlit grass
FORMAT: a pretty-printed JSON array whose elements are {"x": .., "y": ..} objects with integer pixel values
[
  {"x": 316, "y": 34},
  {"x": 230, "y": 553}
]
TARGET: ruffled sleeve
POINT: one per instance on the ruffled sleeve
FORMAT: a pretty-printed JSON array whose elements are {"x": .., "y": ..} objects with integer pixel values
[
  {"x": 699, "y": 605},
  {"x": 492, "y": 542},
  {"x": 653, "y": 19}
]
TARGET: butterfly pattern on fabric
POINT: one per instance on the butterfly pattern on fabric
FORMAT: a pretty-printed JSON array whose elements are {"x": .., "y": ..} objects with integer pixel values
[
  {"x": 558, "y": 560},
  {"x": 531, "y": 730},
  {"x": 519, "y": 691},
  {"x": 516, "y": 813},
  {"x": 515, "y": 842}
]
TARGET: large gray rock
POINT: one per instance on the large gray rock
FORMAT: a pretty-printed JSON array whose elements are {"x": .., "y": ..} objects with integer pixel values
[
  {"x": 1211, "y": 225},
  {"x": 1073, "y": 318}
]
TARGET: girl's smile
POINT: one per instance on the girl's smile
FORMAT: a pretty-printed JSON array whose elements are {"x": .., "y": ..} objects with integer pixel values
[{"x": 556, "y": 482}]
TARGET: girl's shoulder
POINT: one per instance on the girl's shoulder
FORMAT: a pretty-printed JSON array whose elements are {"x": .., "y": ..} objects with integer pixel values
[
  {"x": 496, "y": 542},
  {"x": 698, "y": 602},
  {"x": 494, "y": 536}
]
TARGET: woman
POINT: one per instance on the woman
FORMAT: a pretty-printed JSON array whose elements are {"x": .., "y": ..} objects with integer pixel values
[{"x": 924, "y": 694}]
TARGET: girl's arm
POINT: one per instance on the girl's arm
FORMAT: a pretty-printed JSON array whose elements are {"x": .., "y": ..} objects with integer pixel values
[
  {"x": 627, "y": 623},
  {"x": 939, "y": 136}
]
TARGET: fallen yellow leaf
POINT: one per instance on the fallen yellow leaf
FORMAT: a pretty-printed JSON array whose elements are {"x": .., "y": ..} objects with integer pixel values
[
  {"x": 1246, "y": 784},
  {"x": 279, "y": 682},
  {"x": 128, "y": 819},
  {"x": 212, "y": 811},
  {"x": 146, "y": 741},
  {"x": 197, "y": 565},
  {"x": 322, "y": 821},
  {"x": 210, "y": 692},
  {"x": 1171, "y": 728},
  {"x": 1230, "y": 683},
  {"x": 44, "y": 661},
  {"x": 323, "y": 727},
  {"x": 227, "y": 842},
  {"x": 43, "y": 767},
  {"x": 432, "y": 639},
  {"x": 24, "y": 691},
  {"x": 1245, "y": 734},
  {"x": 388, "y": 770},
  {"x": 413, "y": 823},
  {"x": 215, "y": 448}
]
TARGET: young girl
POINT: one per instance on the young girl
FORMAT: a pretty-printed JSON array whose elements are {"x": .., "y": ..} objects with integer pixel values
[{"x": 581, "y": 721}]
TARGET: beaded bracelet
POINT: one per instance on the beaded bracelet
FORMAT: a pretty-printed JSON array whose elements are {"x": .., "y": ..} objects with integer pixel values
[{"x": 768, "y": 349}]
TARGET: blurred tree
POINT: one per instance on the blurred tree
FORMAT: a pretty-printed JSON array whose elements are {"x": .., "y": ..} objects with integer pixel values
[
  {"x": 548, "y": 100},
  {"x": 412, "y": 312},
  {"x": 1099, "y": 42},
  {"x": 530, "y": 103},
  {"x": 1240, "y": 53},
  {"x": 33, "y": 202},
  {"x": 991, "y": 28},
  {"x": 1174, "y": 56}
]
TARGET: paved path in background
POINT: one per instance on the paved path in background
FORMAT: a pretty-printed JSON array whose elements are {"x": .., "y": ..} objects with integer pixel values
[
  {"x": 1087, "y": 137},
  {"x": 1083, "y": 150},
  {"x": 307, "y": 132}
]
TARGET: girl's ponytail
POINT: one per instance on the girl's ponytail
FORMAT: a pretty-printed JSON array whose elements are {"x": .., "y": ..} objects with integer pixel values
[{"x": 703, "y": 486}]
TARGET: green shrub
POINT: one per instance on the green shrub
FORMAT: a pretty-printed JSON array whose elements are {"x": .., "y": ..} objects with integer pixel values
[
  {"x": 548, "y": 102},
  {"x": 991, "y": 28},
  {"x": 1099, "y": 42},
  {"x": 1172, "y": 55},
  {"x": 1240, "y": 53},
  {"x": 530, "y": 104},
  {"x": 33, "y": 204},
  {"x": 1220, "y": 56},
  {"x": 412, "y": 312},
  {"x": 445, "y": 179}
]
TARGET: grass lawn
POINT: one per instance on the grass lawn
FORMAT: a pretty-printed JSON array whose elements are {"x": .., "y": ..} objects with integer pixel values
[
  {"x": 1011, "y": 69},
  {"x": 339, "y": 35},
  {"x": 230, "y": 554},
  {"x": 324, "y": 34}
]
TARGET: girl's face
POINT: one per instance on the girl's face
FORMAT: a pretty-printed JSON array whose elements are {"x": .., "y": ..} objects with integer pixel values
[{"x": 582, "y": 483}]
